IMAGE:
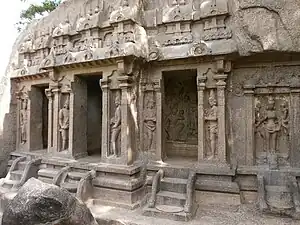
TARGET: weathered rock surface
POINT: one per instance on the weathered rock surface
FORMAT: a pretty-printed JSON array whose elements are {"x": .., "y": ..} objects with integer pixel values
[
  {"x": 264, "y": 25},
  {"x": 41, "y": 203}
]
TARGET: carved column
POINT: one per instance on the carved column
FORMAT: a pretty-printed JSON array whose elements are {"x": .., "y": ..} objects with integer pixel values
[
  {"x": 159, "y": 92},
  {"x": 127, "y": 152},
  {"x": 104, "y": 83},
  {"x": 221, "y": 84},
  {"x": 56, "y": 107},
  {"x": 23, "y": 106},
  {"x": 141, "y": 111},
  {"x": 249, "y": 125},
  {"x": 294, "y": 128},
  {"x": 49, "y": 95},
  {"x": 200, "y": 88}
]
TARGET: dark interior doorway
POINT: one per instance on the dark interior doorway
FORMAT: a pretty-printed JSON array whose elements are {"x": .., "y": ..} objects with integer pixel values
[{"x": 94, "y": 114}]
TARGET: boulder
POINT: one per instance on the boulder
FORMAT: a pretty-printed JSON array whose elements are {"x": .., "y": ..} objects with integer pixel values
[{"x": 38, "y": 203}]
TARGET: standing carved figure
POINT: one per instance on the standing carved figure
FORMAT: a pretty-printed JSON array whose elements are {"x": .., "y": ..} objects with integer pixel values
[
  {"x": 64, "y": 124},
  {"x": 23, "y": 121},
  {"x": 284, "y": 116},
  {"x": 115, "y": 124},
  {"x": 211, "y": 118},
  {"x": 270, "y": 125},
  {"x": 150, "y": 123}
]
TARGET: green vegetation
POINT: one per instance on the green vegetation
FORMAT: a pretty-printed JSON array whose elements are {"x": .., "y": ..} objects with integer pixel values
[{"x": 36, "y": 10}]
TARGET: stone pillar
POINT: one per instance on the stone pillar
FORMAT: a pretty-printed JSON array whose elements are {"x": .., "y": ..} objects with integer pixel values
[
  {"x": 249, "y": 125},
  {"x": 22, "y": 96},
  {"x": 77, "y": 118},
  {"x": 143, "y": 84},
  {"x": 294, "y": 122},
  {"x": 127, "y": 155},
  {"x": 159, "y": 93},
  {"x": 49, "y": 95},
  {"x": 35, "y": 119},
  {"x": 221, "y": 84},
  {"x": 104, "y": 83},
  {"x": 55, "y": 125},
  {"x": 201, "y": 140}
]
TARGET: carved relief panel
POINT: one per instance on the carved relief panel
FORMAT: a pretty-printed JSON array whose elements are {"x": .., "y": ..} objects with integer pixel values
[
  {"x": 64, "y": 118},
  {"x": 211, "y": 125},
  {"x": 272, "y": 127},
  {"x": 269, "y": 96},
  {"x": 149, "y": 121},
  {"x": 23, "y": 98},
  {"x": 115, "y": 124},
  {"x": 180, "y": 110}
]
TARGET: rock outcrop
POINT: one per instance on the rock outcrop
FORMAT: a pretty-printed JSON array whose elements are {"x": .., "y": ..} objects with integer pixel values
[{"x": 41, "y": 203}]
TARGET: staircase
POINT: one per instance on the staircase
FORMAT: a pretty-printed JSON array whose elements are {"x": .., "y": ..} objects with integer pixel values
[
  {"x": 20, "y": 170},
  {"x": 77, "y": 182},
  {"x": 71, "y": 181},
  {"x": 172, "y": 195}
]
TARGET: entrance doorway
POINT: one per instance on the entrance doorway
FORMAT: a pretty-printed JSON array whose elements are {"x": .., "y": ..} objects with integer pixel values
[
  {"x": 94, "y": 114},
  {"x": 180, "y": 114},
  {"x": 39, "y": 118}
]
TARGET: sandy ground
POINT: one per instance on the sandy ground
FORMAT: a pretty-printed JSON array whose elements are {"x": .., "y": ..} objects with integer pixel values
[{"x": 206, "y": 215}]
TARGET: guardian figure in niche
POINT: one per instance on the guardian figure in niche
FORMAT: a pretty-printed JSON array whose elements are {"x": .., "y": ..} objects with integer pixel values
[
  {"x": 150, "y": 123},
  {"x": 211, "y": 118},
  {"x": 115, "y": 124},
  {"x": 64, "y": 124},
  {"x": 271, "y": 125},
  {"x": 23, "y": 121}
]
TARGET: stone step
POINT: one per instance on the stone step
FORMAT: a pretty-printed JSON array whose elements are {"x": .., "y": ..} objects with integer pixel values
[
  {"x": 170, "y": 198},
  {"x": 48, "y": 172},
  {"x": 71, "y": 187},
  {"x": 16, "y": 174},
  {"x": 177, "y": 216},
  {"x": 46, "y": 180},
  {"x": 218, "y": 186},
  {"x": 10, "y": 162},
  {"x": 21, "y": 165},
  {"x": 9, "y": 183},
  {"x": 173, "y": 184},
  {"x": 182, "y": 173},
  {"x": 75, "y": 175}
]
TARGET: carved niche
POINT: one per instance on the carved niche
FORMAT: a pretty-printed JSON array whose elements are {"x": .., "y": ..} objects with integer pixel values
[
  {"x": 211, "y": 125},
  {"x": 23, "y": 99},
  {"x": 180, "y": 110},
  {"x": 149, "y": 120},
  {"x": 115, "y": 124},
  {"x": 64, "y": 117},
  {"x": 272, "y": 127},
  {"x": 267, "y": 92}
]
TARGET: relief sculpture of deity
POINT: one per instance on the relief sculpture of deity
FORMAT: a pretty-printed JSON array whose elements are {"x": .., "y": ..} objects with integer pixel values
[
  {"x": 211, "y": 118},
  {"x": 270, "y": 124},
  {"x": 115, "y": 124},
  {"x": 23, "y": 121},
  {"x": 64, "y": 124},
  {"x": 150, "y": 124}
]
